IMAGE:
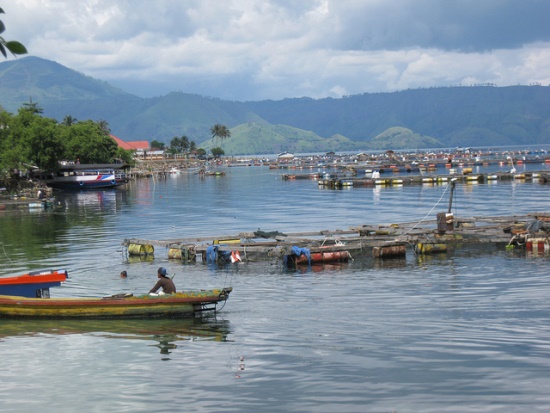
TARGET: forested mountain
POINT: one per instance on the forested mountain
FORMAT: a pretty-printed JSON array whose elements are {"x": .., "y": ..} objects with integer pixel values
[{"x": 451, "y": 116}]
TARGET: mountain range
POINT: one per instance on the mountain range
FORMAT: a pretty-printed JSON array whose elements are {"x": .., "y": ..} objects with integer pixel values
[{"x": 478, "y": 116}]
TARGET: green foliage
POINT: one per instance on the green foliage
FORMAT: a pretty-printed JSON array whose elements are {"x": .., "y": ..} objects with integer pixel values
[
  {"x": 217, "y": 152},
  {"x": 220, "y": 132},
  {"x": 179, "y": 145},
  {"x": 87, "y": 142},
  {"x": 126, "y": 156},
  {"x": 30, "y": 140},
  {"x": 14, "y": 47},
  {"x": 157, "y": 145}
]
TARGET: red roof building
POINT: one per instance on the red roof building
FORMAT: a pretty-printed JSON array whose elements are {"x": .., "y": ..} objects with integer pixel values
[{"x": 132, "y": 146}]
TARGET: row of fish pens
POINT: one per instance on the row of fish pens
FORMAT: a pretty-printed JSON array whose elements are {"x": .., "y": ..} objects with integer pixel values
[
  {"x": 434, "y": 180},
  {"x": 381, "y": 241}
]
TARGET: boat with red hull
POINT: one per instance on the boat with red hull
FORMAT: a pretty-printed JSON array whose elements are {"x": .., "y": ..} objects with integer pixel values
[{"x": 34, "y": 284}]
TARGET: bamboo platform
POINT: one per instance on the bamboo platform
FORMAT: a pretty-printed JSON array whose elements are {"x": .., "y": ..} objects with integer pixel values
[{"x": 375, "y": 240}]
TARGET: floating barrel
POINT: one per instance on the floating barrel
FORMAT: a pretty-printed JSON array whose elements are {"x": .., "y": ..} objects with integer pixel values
[
  {"x": 389, "y": 251},
  {"x": 174, "y": 253},
  {"x": 227, "y": 241},
  {"x": 538, "y": 245},
  {"x": 141, "y": 249},
  {"x": 430, "y": 248},
  {"x": 323, "y": 257}
]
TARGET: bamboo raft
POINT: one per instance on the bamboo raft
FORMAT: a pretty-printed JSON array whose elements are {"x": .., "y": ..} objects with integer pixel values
[{"x": 379, "y": 241}]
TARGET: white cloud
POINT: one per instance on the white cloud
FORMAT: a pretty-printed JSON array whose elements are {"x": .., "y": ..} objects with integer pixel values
[{"x": 259, "y": 49}]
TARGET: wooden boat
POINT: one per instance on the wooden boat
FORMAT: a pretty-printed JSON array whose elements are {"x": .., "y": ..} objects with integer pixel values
[
  {"x": 185, "y": 303},
  {"x": 32, "y": 285},
  {"x": 84, "y": 176}
]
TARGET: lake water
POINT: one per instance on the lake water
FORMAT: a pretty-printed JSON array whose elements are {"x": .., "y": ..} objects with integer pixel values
[{"x": 467, "y": 331}]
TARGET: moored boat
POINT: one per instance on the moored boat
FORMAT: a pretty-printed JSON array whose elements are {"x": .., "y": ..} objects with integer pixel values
[
  {"x": 33, "y": 284},
  {"x": 184, "y": 303},
  {"x": 84, "y": 176}
]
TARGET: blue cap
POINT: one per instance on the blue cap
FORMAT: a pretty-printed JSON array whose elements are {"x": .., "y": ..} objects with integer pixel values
[{"x": 162, "y": 271}]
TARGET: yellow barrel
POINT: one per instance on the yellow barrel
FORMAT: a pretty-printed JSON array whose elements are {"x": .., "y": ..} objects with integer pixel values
[
  {"x": 227, "y": 241},
  {"x": 430, "y": 248},
  {"x": 174, "y": 253},
  {"x": 136, "y": 249},
  {"x": 141, "y": 249}
]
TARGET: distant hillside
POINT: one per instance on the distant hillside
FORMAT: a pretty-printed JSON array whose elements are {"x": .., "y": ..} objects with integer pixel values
[
  {"x": 452, "y": 116},
  {"x": 458, "y": 116},
  {"x": 254, "y": 138},
  {"x": 44, "y": 81},
  {"x": 402, "y": 138}
]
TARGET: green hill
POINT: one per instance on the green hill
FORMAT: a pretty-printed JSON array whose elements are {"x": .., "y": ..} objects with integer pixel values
[
  {"x": 419, "y": 118},
  {"x": 402, "y": 138},
  {"x": 254, "y": 138},
  {"x": 44, "y": 81}
]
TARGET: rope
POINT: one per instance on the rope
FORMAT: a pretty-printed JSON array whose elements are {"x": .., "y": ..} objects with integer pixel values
[
  {"x": 429, "y": 213},
  {"x": 6, "y": 254}
]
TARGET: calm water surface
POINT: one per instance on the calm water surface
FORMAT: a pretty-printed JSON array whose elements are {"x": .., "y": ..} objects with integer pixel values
[{"x": 464, "y": 332}]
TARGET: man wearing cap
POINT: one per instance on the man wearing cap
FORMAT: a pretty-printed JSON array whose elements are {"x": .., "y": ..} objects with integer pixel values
[{"x": 166, "y": 283}]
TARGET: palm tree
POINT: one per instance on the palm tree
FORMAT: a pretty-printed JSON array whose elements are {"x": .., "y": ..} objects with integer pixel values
[
  {"x": 220, "y": 131},
  {"x": 69, "y": 120},
  {"x": 104, "y": 127}
]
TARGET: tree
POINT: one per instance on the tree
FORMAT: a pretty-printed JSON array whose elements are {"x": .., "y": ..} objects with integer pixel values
[
  {"x": 69, "y": 120},
  {"x": 219, "y": 131},
  {"x": 179, "y": 145},
  {"x": 14, "y": 47},
  {"x": 127, "y": 156},
  {"x": 104, "y": 127},
  {"x": 217, "y": 152},
  {"x": 157, "y": 145},
  {"x": 86, "y": 141}
]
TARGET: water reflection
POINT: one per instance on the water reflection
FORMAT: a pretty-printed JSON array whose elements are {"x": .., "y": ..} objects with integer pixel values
[{"x": 166, "y": 333}]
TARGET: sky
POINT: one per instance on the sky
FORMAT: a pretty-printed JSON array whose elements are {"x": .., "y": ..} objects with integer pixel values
[{"x": 274, "y": 49}]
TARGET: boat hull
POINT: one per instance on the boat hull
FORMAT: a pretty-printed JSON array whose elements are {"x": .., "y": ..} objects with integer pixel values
[
  {"x": 85, "y": 176},
  {"x": 187, "y": 303},
  {"x": 77, "y": 184},
  {"x": 32, "y": 285}
]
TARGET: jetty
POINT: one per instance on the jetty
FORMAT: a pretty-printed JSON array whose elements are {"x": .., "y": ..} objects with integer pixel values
[{"x": 438, "y": 235}]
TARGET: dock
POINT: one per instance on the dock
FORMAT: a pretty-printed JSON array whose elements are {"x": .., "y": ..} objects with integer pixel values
[{"x": 379, "y": 241}]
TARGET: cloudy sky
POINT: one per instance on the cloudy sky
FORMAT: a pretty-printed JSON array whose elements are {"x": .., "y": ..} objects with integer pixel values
[{"x": 272, "y": 49}]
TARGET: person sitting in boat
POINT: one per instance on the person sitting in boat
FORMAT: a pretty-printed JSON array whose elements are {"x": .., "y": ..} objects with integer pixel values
[{"x": 168, "y": 286}]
